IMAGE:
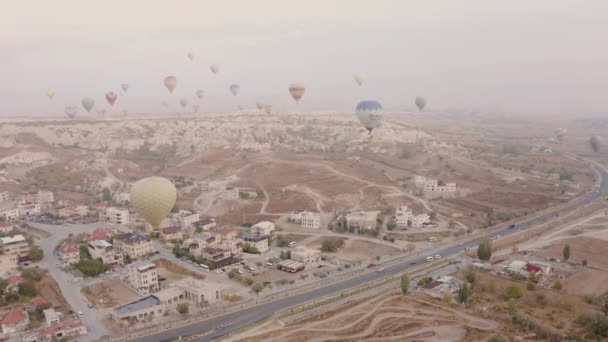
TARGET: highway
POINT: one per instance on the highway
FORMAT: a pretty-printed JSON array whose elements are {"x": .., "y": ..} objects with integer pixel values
[{"x": 221, "y": 325}]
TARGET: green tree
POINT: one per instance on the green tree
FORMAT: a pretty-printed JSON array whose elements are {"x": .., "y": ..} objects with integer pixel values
[
  {"x": 469, "y": 275},
  {"x": 566, "y": 252},
  {"x": 183, "y": 308},
  {"x": 91, "y": 268},
  {"x": 232, "y": 273},
  {"x": 557, "y": 285},
  {"x": 31, "y": 274},
  {"x": 463, "y": 293},
  {"x": 484, "y": 250},
  {"x": 28, "y": 289},
  {"x": 331, "y": 245},
  {"x": 377, "y": 258},
  {"x": 513, "y": 292},
  {"x": 391, "y": 226},
  {"x": 257, "y": 288},
  {"x": 84, "y": 253},
  {"x": 107, "y": 196},
  {"x": 405, "y": 283},
  {"x": 447, "y": 298},
  {"x": 36, "y": 253},
  {"x": 247, "y": 248},
  {"x": 3, "y": 284}
]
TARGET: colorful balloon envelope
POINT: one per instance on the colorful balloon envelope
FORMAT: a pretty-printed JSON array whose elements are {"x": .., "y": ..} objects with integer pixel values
[
  {"x": 111, "y": 97},
  {"x": 88, "y": 103},
  {"x": 50, "y": 93},
  {"x": 71, "y": 111},
  {"x": 420, "y": 102},
  {"x": 170, "y": 83},
  {"x": 370, "y": 113},
  {"x": 214, "y": 68},
  {"x": 153, "y": 198},
  {"x": 297, "y": 90},
  {"x": 234, "y": 89}
]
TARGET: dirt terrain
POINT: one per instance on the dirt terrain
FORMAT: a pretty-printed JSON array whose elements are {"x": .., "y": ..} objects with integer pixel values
[
  {"x": 109, "y": 294},
  {"x": 174, "y": 272}
]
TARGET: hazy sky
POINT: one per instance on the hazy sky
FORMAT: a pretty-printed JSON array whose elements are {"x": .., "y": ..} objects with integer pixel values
[{"x": 520, "y": 55}]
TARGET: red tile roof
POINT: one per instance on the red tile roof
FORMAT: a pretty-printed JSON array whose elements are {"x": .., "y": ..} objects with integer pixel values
[
  {"x": 15, "y": 279},
  {"x": 52, "y": 330},
  {"x": 38, "y": 301},
  {"x": 68, "y": 248},
  {"x": 15, "y": 316},
  {"x": 5, "y": 225},
  {"x": 102, "y": 233},
  {"x": 533, "y": 268}
]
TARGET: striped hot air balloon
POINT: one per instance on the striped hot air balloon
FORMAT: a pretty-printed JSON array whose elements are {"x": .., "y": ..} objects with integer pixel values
[
  {"x": 71, "y": 111},
  {"x": 370, "y": 114},
  {"x": 420, "y": 102},
  {"x": 234, "y": 89},
  {"x": 297, "y": 90}
]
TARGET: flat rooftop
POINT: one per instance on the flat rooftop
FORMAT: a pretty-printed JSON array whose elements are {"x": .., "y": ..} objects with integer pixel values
[{"x": 140, "y": 304}]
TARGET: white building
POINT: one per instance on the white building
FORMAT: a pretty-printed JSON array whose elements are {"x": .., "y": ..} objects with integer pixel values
[
  {"x": 254, "y": 240},
  {"x": 143, "y": 278},
  {"x": 403, "y": 216},
  {"x": 45, "y": 196},
  {"x": 27, "y": 209},
  {"x": 52, "y": 317},
  {"x": 4, "y": 196},
  {"x": 230, "y": 194},
  {"x": 114, "y": 215},
  {"x": 185, "y": 219},
  {"x": 264, "y": 228},
  {"x": 361, "y": 219},
  {"x": 311, "y": 220},
  {"x": 122, "y": 197},
  {"x": 14, "y": 245},
  {"x": 9, "y": 263},
  {"x": 306, "y": 255},
  {"x": 10, "y": 213},
  {"x": 6, "y": 227},
  {"x": 296, "y": 216},
  {"x": 420, "y": 220},
  {"x": 433, "y": 188}
]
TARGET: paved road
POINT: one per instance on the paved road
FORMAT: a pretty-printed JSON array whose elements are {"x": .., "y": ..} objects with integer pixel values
[{"x": 222, "y": 325}]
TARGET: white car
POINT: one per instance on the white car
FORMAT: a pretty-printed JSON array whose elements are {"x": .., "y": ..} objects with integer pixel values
[
  {"x": 437, "y": 256},
  {"x": 335, "y": 262}
]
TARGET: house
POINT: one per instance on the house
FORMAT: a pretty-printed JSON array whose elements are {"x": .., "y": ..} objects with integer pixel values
[
  {"x": 198, "y": 241},
  {"x": 143, "y": 278},
  {"x": 311, "y": 220},
  {"x": 114, "y": 215},
  {"x": 306, "y": 255},
  {"x": 224, "y": 232},
  {"x": 10, "y": 213},
  {"x": 101, "y": 249},
  {"x": 194, "y": 292},
  {"x": 28, "y": 197},
  {"x": 403, "y": 216},
  {"x": 361, "y": 219},
  {"x": 433, "y": 188},
  {"x": 214, "y": 254},
  {"x": 52, "y": 317},
  {"x": 264, "y": 228},
  {"x": 296, "y": 216},
  {"x": 439, "y": 287},
  {"x": 15, "y": 320},
  {"x": 102, "y": 233},
  {"x": 8, "y": 264},
  {"x": 69, "y": 253},
  {"x": 173, "y": 233},
  {"x": 133, "y": 244},
  {"x": 14, "y": 245},
  {"x": 256, "y": 241},
  {"x": 66, "y": 329},
  {"x": 6, "y": 227},
  {"x": 44, "y": 196},
  {"x": 4, "y": 196},
  {"x": 37, "y": 302},
  {"x": 205, "y": 224},
  {"x": 122, "y": 197},
  {"x": 420, "y": 220},
  {"x": 13, "y": 282},
  {"x": 185, "y": 219},
  {"x": 28, "y": 208}
]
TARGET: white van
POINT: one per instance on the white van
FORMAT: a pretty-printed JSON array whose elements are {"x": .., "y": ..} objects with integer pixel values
[
  {"x": 204, "y": 267},
  {"x": 291, "y": 244},
  {"x": 429, "y": 259}
]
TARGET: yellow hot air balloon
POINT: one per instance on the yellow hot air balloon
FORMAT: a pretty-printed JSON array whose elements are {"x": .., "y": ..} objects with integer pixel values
[
  {"x": 153, "y": 198},
  {"x": 50, "y": 93}
]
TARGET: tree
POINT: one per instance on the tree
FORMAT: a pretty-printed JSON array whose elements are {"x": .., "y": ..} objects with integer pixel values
[
  {"x": 90, "y": 268},
  {"x": 513, "y": 292},
  {"x": 469, "y": 275},
  {"x": 585, "y": 262},
  {"x": 36, "y": 253},
  {"x": 391, "y": 226},
  {"x": 31, "y": 274},
  {"x": 405, "y": 283},
  {"x": 107, "y": 196},
  {"x": 566, "y": 252},
  {"x": 331, "y": 245},
  {"x": 447, "y": 298},
  {"x": 247, "y": 248},
  {"x": 484, "y": 250},
  {"x": 377, "y": 258},
  {"x": 183, "y": 308},
  {"x": 28, "y": 289},
  {"x": 232, "y": 273},
  {"x": 463, "y": 293},
  {"x": 257, "y": 288},
  {"x": 84, "y": 253}
]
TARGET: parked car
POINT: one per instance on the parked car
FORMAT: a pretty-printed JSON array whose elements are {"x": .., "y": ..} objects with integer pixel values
[
  {"x": 380, "y": 269},
  {"x": 371, "y": 265},
  {"x": 291, "y": 244},
  {"x": 323, "y": 275},
  {"x": 335, "y": 262}
]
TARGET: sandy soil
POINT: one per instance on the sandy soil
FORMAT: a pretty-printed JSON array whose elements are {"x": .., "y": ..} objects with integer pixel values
[
  {"x": 109, "y": 293},
  {"x": 174, "y": 272},
  {"x": 587, "y": 281},
  {"x": 49, "y": 289}
]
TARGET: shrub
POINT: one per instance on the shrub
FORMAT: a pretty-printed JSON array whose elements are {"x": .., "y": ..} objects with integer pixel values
[
  {"x": 557, "y": 285},
  {"x": 484, "y": 250},
  {"x": 331, "y": 245},
  {"x": 183, "y": 308},
  {"x": 513, "y": 292}
]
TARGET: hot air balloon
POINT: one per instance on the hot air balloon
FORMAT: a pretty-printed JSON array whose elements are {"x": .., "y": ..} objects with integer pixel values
[
  {"x": 191, "y": 55},
  {"x": 234, "y": 89},
  {"x": 370, "y": 114},
  {"x": 359, "y": 78},
  {"x": 420, "y": 102},
  {"x": 50, "y": 93},
  {"x": 259, "y": 104},
  {"x": 267, "y": 108},
  {"x": 200, "y": 94},
  {"x": 71, "y": 111},
  {"x": 595, "y": 142},
  {"x": 183, "y": 102},
  {"x": 170, "y": 83},
  {"x": 560, "y": 133},
  {"x": 111, "y": 97},
  {"x": 124, "y": 87},
  {"x": 297, "y": 91},
  {"x": 88, "y": 103},
  {"x": 153, "y": 198},
  {"x": 214, "y": 68}
]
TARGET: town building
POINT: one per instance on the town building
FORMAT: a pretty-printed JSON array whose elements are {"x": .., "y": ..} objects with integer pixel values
[
  {"x": 404, "y": 217},
  {"x": 4, "y": 196},
  {"x": 291, "y": 266},
  {"x": 361, "y": 219},
  {"x": 122, "y": 197},
  {"x": 173, "y": 233},
  {"x": 101, "y": 249},
  {"x": 45, "y": 196},
  {"x": 29, "y": 208},
  {"x": 215, "y": 254},
  {"x": 143, "y": 278},
  {"x": 185, "y": 219},
  {"x": 14, "y": 320},
  {"x": 230, "y": 194},
  {"x": 10, "y": 213},
  {"x": 198, "y": 241},
  {"x": 264, "y": 228},
  {"x": 205, "y": 224},
  {"x": 28, "y": 197},
  {"x": 256, "y": 241},
  {"x": 64, "y": 330},
  {"x": 296, "y": 216},
  {"x": 114, "y": 215},
  {"x": 133, "y": 244},
  {"x": 6, "y": 227},
  {"x": 52, "y": 317},
  {"x": 311, "y": 220},
  {"x": 14, "y": 245},
  {"x": 102, "y": 233},
  {"x": 433, "y": 188},
  {"x": 439, "y": 287},
  {"x": 69, "y": 253},
  {"x": 224, "y": 233},
  {"x": 9, "y": 263},
  {"x": 306, "y": 255},
  {"x": 13, "y": 282},
  {"x": 194, "y": 292}
]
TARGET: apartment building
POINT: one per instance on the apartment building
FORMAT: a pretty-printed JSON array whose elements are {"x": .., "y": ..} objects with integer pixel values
[
  {"x": 205, "y": 224},
  {"x": 114, "y": 215},
  {"x": 173, "y": 233},
  {"x": 28, "y": 208},
  {"x": 4, "y": 196},
  {"x": 69, "y": 253},
  {"x": 185, "y": 219},
  {"x": 133, "y": 244},
  {"x": 254, "y": 240},
  {"x": 311, "y": 220},
  {"x": 433, "y": 188},
  {"x": 45, "y": 196},
  {"x": 6, "y": 227},
  {"x": 306, "y": 255},
  {"x": 101, "y": 249},
  {"x": 143, "y": 278},
  {"x": 15, "y": 245},
  {"x": 361, "y": 219},
  {"x": 264, "y": 228}
]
